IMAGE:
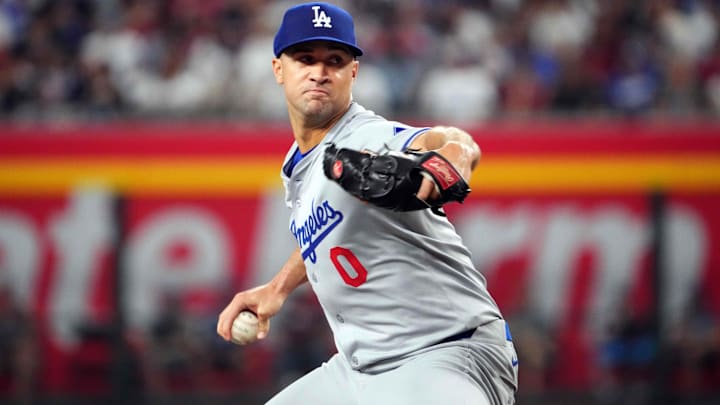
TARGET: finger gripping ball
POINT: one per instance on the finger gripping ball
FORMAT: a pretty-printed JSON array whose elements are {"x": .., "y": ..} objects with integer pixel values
[{"x": 244, "y": 328}]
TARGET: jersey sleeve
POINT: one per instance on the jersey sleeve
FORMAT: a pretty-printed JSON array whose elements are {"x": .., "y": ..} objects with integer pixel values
[
  {"x": 379, "y": 137},
  {"x": 288, "y": 200},
  {"x": 404, "y": 136},
  {"x": 285, "y": 176}
]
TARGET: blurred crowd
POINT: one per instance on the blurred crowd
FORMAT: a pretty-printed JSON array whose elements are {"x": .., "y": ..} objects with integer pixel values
[
  {"x": 454, "y": 60},
  {"x": 178, "y": 356},
  {"x": 179, "y": 359}
]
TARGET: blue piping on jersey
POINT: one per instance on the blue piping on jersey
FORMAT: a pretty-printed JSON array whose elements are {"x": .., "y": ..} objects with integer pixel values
[
  {"x": 397, "y": 130},
  {"x": 413, "y": 136},
  {"x": 295, "y": 159}
]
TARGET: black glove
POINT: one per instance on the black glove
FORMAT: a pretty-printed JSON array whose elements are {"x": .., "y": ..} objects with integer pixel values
[{"x": 391, "y": 180}]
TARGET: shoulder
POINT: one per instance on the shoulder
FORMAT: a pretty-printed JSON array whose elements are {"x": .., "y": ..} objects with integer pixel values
[
  {"x": 368, "y": 130},
  {"x": 371, "y": 135}
]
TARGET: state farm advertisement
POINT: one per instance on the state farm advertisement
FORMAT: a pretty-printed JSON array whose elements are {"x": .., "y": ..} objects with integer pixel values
[{"x": 561, "y": 227}]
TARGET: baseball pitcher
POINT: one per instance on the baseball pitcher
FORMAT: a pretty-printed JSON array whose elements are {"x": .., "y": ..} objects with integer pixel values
[{"x": 411, "y": 317}]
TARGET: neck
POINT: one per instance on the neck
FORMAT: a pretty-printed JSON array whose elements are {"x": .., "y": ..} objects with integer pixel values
[{"x": 309, "y": 133}]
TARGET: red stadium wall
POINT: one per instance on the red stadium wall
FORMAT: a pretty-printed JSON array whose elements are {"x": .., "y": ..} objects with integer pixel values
[{"x": 558, "y": 221}]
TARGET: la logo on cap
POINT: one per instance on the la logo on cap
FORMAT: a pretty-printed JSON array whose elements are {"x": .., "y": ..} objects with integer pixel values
[
  {"x": 321, "y": 19},
  {"x": 315, "y": 22}
]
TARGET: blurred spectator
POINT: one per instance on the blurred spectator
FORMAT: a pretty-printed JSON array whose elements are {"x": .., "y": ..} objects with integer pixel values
[
  {"x": 18, "y": 350},
  {"x": 709, "y": 78},
  {"x": 536, "y": 349},
  {"x": 461, "y": 87},
  {"x": 253, "y": 88},
  {"x": 558, "y": 30},
  {"x": 688, "y": 32},
  {"x": 41, "y": 77},
  {"x": 574, "y": 92},
  {"x": 457, "y": 93},
  {"x": 375, "y": 89},
  {"x": 306, "y": 340},
  {"x": 561, "y": 26},
  {"x": 523, "y": 93},
  {"x": 173, "y": 359},
  {"x": 10, "y": 25},
  {"x": 679, "y": 95},
  {"x": 628, "y": 356},
  {"x": 180, "y": 68},
  {"x": 634, "y": 83},
  {"x": 694, "y": 350},
  {"x": 117, "y": 46},
  {"x": 401, "y": 45},
  {"x": 687, "y": 29}
]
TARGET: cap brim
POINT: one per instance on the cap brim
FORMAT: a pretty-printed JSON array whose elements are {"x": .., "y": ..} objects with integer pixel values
[{"x": 355, "y": 50}]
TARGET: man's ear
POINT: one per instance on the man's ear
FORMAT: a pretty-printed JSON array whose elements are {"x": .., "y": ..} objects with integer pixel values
[{"x": 277, "y": 70}]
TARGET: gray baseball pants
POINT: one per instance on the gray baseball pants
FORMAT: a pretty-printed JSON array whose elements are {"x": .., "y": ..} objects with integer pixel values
[{"x": 479, "y": 370}]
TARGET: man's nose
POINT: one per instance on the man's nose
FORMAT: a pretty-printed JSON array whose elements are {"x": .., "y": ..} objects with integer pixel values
[{"x": 319, "y": 73}]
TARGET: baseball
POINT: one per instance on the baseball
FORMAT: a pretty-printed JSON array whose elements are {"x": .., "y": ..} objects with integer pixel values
[{"x": 245, "y": 328}]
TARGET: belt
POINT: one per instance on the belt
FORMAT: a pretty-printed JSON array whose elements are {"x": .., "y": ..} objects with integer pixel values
[
  {"x": 468, "y": 333},
  {"x": 458, "y": 336}
]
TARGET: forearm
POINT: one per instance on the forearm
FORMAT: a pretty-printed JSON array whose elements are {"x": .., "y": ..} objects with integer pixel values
[
  {"x": 265, "y": 300},
  {"x": 453, "y": 143},
  {"x": 291, "y": 275}
]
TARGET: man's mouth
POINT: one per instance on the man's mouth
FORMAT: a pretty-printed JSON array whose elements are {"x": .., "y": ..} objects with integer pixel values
[{"x": 317, "y": 91}]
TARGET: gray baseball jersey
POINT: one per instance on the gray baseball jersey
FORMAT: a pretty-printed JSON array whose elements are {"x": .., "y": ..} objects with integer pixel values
[{"x": 390, "y": 283}]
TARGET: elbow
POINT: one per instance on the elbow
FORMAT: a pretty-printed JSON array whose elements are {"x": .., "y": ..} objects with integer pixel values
[{"x": 449, "y": 134}]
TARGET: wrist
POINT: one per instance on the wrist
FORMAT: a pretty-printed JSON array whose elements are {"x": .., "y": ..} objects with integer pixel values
[{"x": 290, "y": 276}]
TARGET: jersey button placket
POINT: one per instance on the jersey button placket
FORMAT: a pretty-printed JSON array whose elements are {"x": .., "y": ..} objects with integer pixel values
[
  {"x": 355, "y": 360},
  {"x": 340, "y": 318}
]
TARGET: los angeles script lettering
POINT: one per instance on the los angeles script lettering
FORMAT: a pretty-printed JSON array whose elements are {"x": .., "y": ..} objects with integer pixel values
[{"x": 323, "y": 219}]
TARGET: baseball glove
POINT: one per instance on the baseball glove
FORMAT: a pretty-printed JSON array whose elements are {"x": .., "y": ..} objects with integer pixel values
[{"x": 391, "y": 180}]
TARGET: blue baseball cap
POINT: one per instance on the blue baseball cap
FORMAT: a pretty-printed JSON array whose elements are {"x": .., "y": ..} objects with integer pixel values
[{"x": 315, "y": 21}]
